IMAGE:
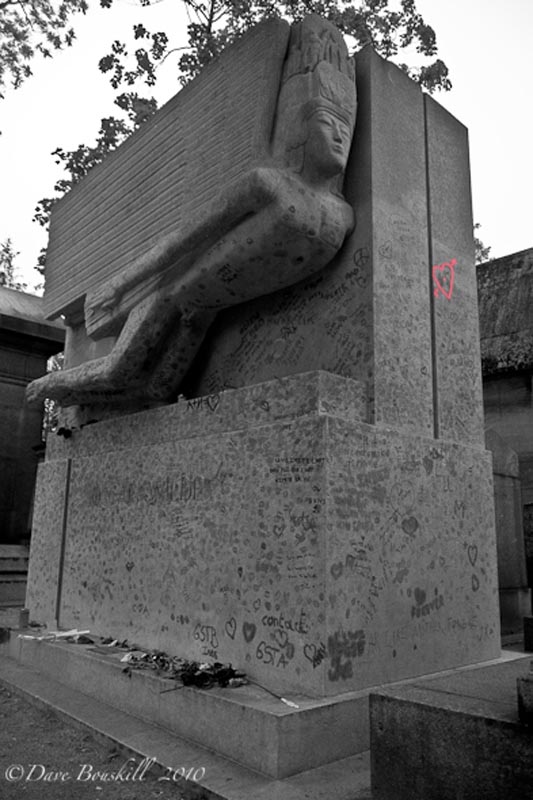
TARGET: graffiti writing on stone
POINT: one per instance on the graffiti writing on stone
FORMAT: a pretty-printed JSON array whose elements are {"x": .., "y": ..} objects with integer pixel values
[
  {"x": 249, "y": 630},
  {"x": 276, "y": 655},
  {"x": 315, "y": 653},
  {"x": 343, "y": 648},
  {"x": 181, "y": 488},
  {"x": 298, "y": 469},
  {"x": 206, "y": 634},
  {"x": 231, "y": 627},
  {"x": 210, "y": 402},
  {"x": 297, "y": 625},
  {"x": 423, "y": 606},
  {"x": 443, "y": 278}
]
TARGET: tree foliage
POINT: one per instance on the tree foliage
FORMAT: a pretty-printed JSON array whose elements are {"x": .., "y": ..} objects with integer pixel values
[
  {"x": 390, "y": 26},
  {"x": 8, "y": 268},
  {"x": 31, "y": 27},
  {"x": 482, "y": 252}
]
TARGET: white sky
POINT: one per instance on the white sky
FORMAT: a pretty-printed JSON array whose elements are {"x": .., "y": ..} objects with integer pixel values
[{"x": 485, "y": 43}]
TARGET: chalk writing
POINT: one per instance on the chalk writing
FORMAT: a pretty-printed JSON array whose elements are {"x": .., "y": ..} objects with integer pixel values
[{"x": 443, "y": 278}]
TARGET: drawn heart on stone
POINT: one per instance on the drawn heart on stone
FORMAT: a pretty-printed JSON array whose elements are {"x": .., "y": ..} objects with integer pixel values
[
  {"x": 281, "y": 638},
  {"x": 410, "y": 525},
  {"x": 472, "y": 554},
  {"x": 212, "y": 401},
  {"x": 248, "y": 631},
  {"x": 310, "y": 652},
  {"x": 257, "y": 604},
  {"x": 279, "y": 529},
  {"x": 129, "y": 565},
  {"x": 420, "y": 596},
  {"x": 336, "y": 570},
  {"x": 231, "y": 627},
  {"x": 445, "y": 280}
]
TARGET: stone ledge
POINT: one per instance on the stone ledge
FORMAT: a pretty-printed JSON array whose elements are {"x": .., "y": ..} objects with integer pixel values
[
  {"x": 284, "y": 399},
  {"x": 260, "y": 732},
  {"x": 347, "y": 779},
  {"x": 457, "y": 736}
]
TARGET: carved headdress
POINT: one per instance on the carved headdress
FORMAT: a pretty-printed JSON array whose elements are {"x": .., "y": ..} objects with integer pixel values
[{"x": 318, "y": 74}]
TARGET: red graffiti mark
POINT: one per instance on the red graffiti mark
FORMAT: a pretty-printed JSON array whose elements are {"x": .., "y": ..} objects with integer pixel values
[{"x": 444, "y": 276}]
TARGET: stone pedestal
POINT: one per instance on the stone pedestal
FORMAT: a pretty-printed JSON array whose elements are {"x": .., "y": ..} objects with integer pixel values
[{"x": 274, "y": 528}]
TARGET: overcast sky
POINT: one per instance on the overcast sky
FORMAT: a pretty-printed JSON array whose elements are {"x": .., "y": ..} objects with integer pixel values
[{"x": 485, "y": 43}]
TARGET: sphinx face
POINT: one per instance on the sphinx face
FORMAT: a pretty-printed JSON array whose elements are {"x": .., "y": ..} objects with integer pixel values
[{"x": 328, "y": 143}]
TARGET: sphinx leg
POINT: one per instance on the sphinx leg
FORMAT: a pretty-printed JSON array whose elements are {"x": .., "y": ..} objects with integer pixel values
[
  {"x": 177, "y": 355},
  {"x": 114, "y": 375}
]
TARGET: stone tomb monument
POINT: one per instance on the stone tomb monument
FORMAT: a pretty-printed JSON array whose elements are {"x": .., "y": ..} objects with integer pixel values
[{"x": 306, "y": 493}]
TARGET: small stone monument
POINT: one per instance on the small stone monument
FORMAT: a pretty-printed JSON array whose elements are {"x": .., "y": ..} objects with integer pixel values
[{"x": 311, "y": 499}]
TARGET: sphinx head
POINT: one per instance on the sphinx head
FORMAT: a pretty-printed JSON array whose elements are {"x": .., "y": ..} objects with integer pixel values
[
  {"x": 321, "y": 142},
  {"x": 317, "y": 104}
]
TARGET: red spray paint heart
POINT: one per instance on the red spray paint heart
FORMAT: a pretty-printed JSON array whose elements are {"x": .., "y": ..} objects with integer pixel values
[{"x": 444, "y": 277}]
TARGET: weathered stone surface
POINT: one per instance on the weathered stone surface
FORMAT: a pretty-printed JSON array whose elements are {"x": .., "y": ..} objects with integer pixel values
[
  {"x": 268, "y": 228},
  {"x": 46, "y": 552},
  {"x": 458, "y": 394},
  {"x": 453, "y": 737},
  {"x": 368, "y": 315},
  {"x": 205, "y": 137},
  {"x": 288, "y": 536}
]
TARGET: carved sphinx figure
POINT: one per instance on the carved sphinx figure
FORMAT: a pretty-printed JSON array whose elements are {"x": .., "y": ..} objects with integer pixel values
[{"x": 277, "y": 225}]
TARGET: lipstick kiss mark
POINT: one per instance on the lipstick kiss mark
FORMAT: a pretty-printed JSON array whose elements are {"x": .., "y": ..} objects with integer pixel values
[{"x": 443, "y": 278}]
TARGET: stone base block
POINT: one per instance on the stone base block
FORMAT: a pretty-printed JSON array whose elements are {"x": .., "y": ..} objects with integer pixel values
[
  {"x": 245, "y": 724},
  {"x": 211, "y": 776},
  {"x": 273, "y": 528},
  {"x": 452, "y": 737}
]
